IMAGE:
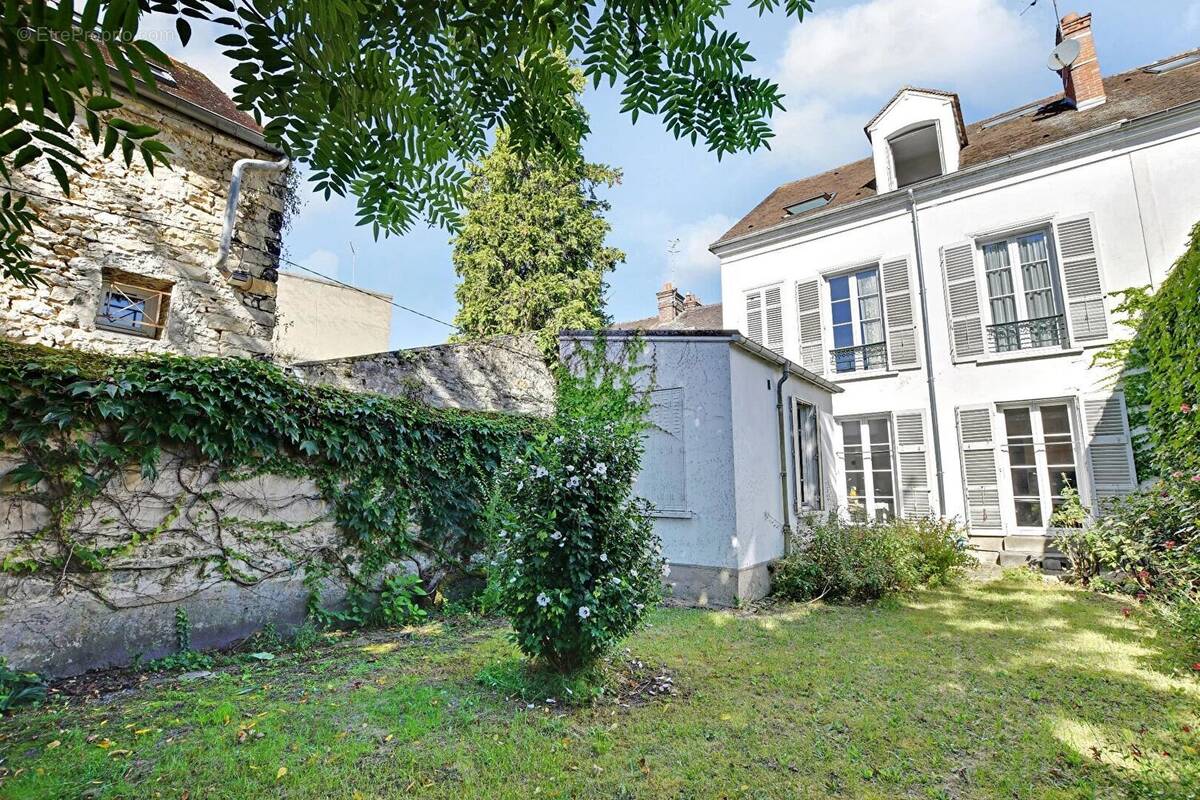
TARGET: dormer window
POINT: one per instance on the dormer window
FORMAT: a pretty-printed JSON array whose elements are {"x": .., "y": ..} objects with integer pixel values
[{"x": 916, "y": 155}]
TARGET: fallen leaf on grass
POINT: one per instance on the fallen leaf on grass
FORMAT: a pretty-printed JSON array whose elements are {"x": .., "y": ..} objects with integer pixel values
[
  {"x": 53, "y": 744},
  {"x": 280, "y": 773}
]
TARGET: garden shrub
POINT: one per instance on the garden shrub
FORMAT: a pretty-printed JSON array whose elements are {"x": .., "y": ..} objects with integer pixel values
[
  {"x": 19, "y": 688},
  {"x": 577, "y": 562},
  {"x": 861, "y": 561}
]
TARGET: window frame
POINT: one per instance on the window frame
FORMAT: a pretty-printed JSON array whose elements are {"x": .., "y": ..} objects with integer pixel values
[
  {"x": 869, "y": 496},
  {"x": 800, "y": 502},
  {"x": 1020, "y": 291},
  {"x": 828, "y": 326},
  {"x": 155, "y": 296},
  {"x": 1041, "y": 465},
  {"x": 936, "y": 125}
]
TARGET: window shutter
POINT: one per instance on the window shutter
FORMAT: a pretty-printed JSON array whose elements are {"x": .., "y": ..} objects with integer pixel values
[
  {"x": 808, "y": 313},
  {"x": 1109, "y": 446},
  {"x": 1081, "y": 279},
  {"x": 898, "y": 305},
  {"x": 754, "y": 316},
  {"x": 773, "y": 312},
  {"x": 914, "y": 466},
  {"x": 980, "y": 480},
  {"x": 962, "y": 302}
]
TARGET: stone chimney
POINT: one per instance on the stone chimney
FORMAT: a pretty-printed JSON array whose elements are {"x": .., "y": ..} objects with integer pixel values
[
  {"x": 1082, "y": 81},
  {"x": 690, "y": 301},
  {"x": 670, "y": 303}
]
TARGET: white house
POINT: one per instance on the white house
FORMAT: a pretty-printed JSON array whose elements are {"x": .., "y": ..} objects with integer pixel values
[
  {"x": 957, "y": 282},
  {"x": 733, "y": 454}
]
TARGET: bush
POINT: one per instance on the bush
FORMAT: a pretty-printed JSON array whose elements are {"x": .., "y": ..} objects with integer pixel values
[
  {"x": 862, "y": 561},
  {"x": 19, "y": 688},
  {"x": 577, "y": 561}
]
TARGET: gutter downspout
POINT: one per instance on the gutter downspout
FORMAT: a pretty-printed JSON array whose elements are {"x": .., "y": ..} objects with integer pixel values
[
  {"x": 242, "y": 279},
  {"x": 783, "y": 480},
  {"x": 933, "y": 408}
]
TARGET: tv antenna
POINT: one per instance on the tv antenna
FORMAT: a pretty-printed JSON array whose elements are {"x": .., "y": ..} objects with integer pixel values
[{"x": 672, "y": 256}]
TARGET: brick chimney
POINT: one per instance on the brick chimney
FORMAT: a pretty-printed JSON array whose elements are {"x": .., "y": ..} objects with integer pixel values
[
  {"x": 1082, "y": 82},
  {"x": 670, "y": 303},
  {"x": 690, "y": 301}
]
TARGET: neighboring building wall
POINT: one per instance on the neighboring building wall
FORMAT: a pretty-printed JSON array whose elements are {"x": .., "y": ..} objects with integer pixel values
[
  {"x": 506, "y": 373},
  {"x": 1135, "y": 186},
  {"x": 319, "y": 320},
  {"x": 182, "y": 208}
]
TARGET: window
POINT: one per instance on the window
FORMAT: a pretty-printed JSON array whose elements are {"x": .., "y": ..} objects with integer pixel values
[
  {"x": 806, "y": 455},
  {"x": 916, "y": 155},
  {"x": 1041, "y": 459},
  {"x": 820, "y": 201},
  {"x": 1173, "y": 63},
  {"x": 133, "y": 305},
  {"x": 1023, "y": 296},
  {"x": 870, "y": 480},
  {"x": 857, "y": 316}
]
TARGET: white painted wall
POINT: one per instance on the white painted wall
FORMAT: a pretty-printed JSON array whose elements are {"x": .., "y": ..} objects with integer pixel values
[
  {"x": 1141, "y": 194},
  {"x": 319, "y": 320}
]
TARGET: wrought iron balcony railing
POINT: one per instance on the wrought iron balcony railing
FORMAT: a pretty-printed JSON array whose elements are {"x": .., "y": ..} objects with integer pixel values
[
  {"x": 1027, "y": 334},
  {"x": 860, "y": 358}
]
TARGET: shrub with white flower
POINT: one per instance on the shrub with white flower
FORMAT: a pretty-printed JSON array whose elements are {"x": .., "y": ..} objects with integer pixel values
[{"x": 577, "y": 557}]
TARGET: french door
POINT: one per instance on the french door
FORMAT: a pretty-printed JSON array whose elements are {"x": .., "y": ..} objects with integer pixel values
[
  {"x": 870, "y": 475},
  {"x": 1040, "y": 443}
]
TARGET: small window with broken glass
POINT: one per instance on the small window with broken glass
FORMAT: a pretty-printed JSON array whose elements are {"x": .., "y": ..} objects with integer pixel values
[{"x": 133, "y": 305}]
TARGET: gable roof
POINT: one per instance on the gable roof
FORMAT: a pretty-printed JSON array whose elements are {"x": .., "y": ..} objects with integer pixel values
[
  {"x": 693, "y": 319},
  {"x": 1131, "y": 95},
  {"x": 195, "y": 87},
  {"x": 953, "y": 96}
]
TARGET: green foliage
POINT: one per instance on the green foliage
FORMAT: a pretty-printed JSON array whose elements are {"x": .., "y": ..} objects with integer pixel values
[
  {"x": 1159, "y": 369},
  {"x": 398, "y": 598},
  {"x": 862, "y": 561},
  {"x": 577, "y": 560},
  {"x": 531, "y": 255},
  {"x": 386, "y": 466},
  {"x": 1082, "y": 546},
  {"x": 1072, "y": 513},
  {"x": 534, "y": 682},
  {"x": 384, "y": 101},
  {"x": 19, "y": 688}
]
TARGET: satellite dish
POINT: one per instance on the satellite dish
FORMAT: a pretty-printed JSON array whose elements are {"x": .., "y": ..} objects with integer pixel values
[{"x": 1064, "y": 55}]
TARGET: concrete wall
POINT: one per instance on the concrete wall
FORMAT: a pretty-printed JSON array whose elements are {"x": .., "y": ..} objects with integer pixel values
[
  {"x": 1139, "y": 187},
  {"x": 175, "y": 237},
  {"x": 63, "y": 622},
  {"x": 506, "y": 373},
  {"x": 320, "y": 320}
]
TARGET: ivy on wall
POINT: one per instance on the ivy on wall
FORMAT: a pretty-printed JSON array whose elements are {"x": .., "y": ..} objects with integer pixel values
[
  {"x": 402, "y": 480},
  {"x": 1160, "y": 367}
]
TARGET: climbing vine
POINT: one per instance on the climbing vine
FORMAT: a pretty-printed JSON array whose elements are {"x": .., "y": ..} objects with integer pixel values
[{"x": 93, "y": 440}]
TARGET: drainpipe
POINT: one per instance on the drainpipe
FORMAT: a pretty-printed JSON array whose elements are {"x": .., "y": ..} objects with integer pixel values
[
  {"x": 241, "y": 279},
  {"x": 933, "y": 409},
  {"x": 783, "y": 475}
]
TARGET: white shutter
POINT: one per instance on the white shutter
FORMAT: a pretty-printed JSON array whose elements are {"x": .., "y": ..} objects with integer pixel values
[
  {"x": 1109, "y": 446},
  {"x": 914, "y": 466},
  {"x": 1081, "y": 280},
  {"x": 808, "y": 314},
  {"x": 754, "y": 316},
  {"x": 898, "y": 306},
  {"x": 980, "y": 480},
  {"x": 962, "y": 302},
  {"x": 773, "y": 314}
]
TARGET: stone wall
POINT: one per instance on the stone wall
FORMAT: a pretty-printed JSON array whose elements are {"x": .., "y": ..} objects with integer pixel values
[
  {"x": 230, "y": 553},
  {"x": 505, "y": 373},
  {"x": 174, "y": 240}
]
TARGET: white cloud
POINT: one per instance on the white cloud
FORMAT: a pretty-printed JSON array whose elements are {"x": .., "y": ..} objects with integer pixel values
[
  {"x": 693, "y": 261},
  {"x": 840, "y": 67},
  {"x": 322, "y": 261}
]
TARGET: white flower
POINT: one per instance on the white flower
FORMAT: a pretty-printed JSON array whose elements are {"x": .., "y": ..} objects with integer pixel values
[
  {"x": 570, "y": 468},
  {"x": 584, "y": 612},
  {"x": 573, "y": 482},
  {"x": 556, "y": 536},
  {"x": 541, "y": 472},
  {"x": 558, "y": 440},
  {"x": 600, "y": 469},
  {"x": 520, "y": 561},
  {"x": 666, "y": 570},
  {"x": 633, "y": 572},
  {"x": 639, "y": 606},
  {"x": 520, "y": 485},
  {"x": 543, "y": 600},
  {"x": 604, "y": 557}
]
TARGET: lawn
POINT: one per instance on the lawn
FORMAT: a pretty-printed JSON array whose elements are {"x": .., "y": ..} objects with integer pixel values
[{"x": 1007, "y": 689}]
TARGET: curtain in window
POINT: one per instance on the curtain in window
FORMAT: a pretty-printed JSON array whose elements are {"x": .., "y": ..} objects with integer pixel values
[
  {"x": 1035, "y": 274},
  {"x": 999, "y": 283},
  {"x": 870, "y": 310}
]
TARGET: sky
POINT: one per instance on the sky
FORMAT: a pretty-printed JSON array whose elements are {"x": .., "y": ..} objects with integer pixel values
[{"x": 837, "y": 68}]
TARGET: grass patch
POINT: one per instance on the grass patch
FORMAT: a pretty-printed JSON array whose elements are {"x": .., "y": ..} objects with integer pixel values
[{"x": 1006, "y": 689}]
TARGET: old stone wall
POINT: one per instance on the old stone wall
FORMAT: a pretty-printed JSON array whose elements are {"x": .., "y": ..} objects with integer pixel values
[
  {"x": 231, "y": 553},
  {"x": 163, "y": 226},
  {"x": 505, "y": 373}
]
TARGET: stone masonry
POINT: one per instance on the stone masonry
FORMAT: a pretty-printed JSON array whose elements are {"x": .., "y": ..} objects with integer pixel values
[{"x": 163, "y": 227}]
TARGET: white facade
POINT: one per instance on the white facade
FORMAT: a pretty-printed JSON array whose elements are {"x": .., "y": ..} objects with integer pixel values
[
  {"x": 1108, "y": 210},
  {"x": 711, "y": 466}
]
